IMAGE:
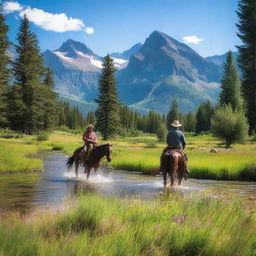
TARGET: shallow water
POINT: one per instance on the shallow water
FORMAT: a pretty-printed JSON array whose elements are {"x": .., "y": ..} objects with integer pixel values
[{"x": 24, "y": 192}]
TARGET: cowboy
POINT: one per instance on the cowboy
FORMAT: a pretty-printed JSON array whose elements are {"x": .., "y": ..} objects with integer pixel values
[
  {"x": 90, "y": 141},
  {"x": 176, "y": 140}
]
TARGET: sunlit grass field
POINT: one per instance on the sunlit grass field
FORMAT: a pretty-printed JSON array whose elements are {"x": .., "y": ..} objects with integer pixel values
[
  {"x": 169, "y": 225},
  {"x": 141, "y": 154},
  {"x": 13, "y": 157}
]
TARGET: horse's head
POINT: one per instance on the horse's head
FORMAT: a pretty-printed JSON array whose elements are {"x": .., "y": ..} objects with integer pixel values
[{"x": 108, "y": 152}]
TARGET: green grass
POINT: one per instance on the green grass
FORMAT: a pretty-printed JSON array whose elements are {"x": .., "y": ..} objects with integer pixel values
[
  {"x": 13, "y": 157},
  {"x": 141, "y": 154},
  {"x": 205, "y": 165},
  {"x": 171, "y": 225}
]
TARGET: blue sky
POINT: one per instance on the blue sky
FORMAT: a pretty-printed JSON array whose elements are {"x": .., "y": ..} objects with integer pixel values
[{"x": 115, "y": 25}]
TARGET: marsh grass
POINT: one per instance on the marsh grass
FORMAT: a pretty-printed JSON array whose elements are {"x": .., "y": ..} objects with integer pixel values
[
  {"x": 134, "y": 154},
  {"x": 13, "y": 157},
  {"x": 171, "y": 225}
]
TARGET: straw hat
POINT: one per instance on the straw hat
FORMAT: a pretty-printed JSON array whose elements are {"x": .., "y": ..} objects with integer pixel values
[
  {"x": 176, "y": 123},
  {"x": 89, "y": 126}
]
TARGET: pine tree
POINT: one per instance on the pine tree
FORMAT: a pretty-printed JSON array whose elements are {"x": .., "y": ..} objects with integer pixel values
[
  {"x": 230, "y": 85},
  {"x": 49, "y": 101},
  {"x": 48, "y": 78},
  {"x": 190, "y": 122},
  {"x": 173, "y": 114},
  {"x": 32, "y": 99},
  {"x": 247, "y": 57},
  {"x": 108, "y": 111},
  {"x": 4, "y": 69},
  {"x": 203, "y": 117}
]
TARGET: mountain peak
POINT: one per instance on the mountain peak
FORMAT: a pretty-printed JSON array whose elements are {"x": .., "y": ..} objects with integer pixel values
[
  {"x": 128, "y": 53},
  {"x": 71, "y": 47}
]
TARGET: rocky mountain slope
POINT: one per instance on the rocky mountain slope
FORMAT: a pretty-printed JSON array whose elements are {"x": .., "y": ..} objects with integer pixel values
[{"x": 164, "y": 69}]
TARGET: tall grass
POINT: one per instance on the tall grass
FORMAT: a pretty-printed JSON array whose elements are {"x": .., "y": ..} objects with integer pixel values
[
  {"x": 205, "y": 165},
  {"x": 13, "y": 157},
  {"x": 171, "y": 225},
  {"x": 132, "y": 154}
]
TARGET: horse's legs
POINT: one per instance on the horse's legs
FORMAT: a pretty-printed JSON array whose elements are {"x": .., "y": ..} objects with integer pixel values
[
  {"x": 180, "y": 176},
  {"x": 88, "y": 172},
  {"x": 173, "y": 176},
  {"x": 165, "y": 178},
  {"x": 76, "y": 168}
]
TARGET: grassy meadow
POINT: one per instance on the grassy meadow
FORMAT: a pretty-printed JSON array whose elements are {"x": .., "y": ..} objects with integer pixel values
[
  {"x": 140, "y": 154},
  {"x": 169, "y": 225}
]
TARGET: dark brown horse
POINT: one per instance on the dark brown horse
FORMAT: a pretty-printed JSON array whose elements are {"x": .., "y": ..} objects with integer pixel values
[
  {"x": 174, "y": 165},
  {"x": 94, "y": 159}
]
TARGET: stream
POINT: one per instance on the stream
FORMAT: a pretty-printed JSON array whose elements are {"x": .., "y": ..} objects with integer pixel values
[{"x": 25, "y": 192}]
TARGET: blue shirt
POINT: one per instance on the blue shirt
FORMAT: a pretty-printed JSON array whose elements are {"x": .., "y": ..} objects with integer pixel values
[{"x": 176, "y": 138}]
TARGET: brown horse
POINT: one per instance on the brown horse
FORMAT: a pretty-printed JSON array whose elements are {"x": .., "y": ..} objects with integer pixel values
[
  {"x": 94, "y": 159},
  {"x": 173, "y": 163}
]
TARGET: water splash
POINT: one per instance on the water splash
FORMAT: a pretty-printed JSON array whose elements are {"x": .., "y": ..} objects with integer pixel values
[{"x": 94, "y": 178}]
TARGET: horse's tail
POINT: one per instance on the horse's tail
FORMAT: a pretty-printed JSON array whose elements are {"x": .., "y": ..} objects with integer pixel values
[{"x": 70, "y": 161}]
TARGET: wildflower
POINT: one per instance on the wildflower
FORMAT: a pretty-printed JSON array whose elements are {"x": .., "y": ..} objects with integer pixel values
[
  {"x": 156, "y": 227},
  {"x": 179, "y": 219}
]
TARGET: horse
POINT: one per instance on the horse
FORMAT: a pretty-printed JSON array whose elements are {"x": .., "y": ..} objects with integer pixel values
[
  {"x": 94, "y": 159},
  {"x": 173, "y": 163}
]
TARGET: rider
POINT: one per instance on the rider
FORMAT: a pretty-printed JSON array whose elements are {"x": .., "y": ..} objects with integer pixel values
[
  {"x": 90, "y": 140},
  {"x": 176, "y": 140}
]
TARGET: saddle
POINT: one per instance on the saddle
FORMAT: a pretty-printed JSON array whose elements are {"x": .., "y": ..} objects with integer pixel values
[{"x": 177, "y": 149}]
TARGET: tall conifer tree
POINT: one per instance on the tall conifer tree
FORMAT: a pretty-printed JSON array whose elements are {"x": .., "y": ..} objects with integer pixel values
[
  {"x": 230, "y": 85},
  {"x": 32, "y": 97},
  {"x": 108, "y": 111},
  {"x": 49, "y": 101},
  {"x": 204, "y": 115},
  {"x": 4, "y": 69},
  {"x": 173, "y": 114},
  {"x": 247, "y": 57}
]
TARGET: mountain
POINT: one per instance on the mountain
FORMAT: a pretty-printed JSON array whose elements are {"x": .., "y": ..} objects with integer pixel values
[
  {"x": 220, "y": 59},
  {"x": 150, "y": 75},
  {"x": 126, "y": 54},
  {"x": 122, "y": 58},
  {"x": 76, "y": 70},
  {"x": 164, "y": 69}
]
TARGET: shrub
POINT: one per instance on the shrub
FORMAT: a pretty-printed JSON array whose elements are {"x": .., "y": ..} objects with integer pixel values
[
  {"x": 7, "y": 134},
  {"x": 43, "y": 135},
  {"x": 161, "y": 133},
  {"x": 230, "y": 125}
]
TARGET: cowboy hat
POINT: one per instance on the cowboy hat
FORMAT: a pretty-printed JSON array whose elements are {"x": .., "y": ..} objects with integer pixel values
[
  {"x": 176, "y": 123},
  {"x": 89, "y": 126}
]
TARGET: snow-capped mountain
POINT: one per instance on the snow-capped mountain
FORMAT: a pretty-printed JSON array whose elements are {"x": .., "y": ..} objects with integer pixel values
[
  {"x": 150, "y": 76},
  {"x": 121, "y": 59}
]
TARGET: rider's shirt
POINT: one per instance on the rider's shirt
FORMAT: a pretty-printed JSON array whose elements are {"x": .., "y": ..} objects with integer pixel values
[
  {"x": 89, "y": 137},
  {"x": 176, "y": 138}
]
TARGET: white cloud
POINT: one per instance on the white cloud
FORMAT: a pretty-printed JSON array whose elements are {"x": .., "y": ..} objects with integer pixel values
[
  {"x": 9, "y": 7},
  {"x": 192, "y": 39},
  {"x": 58, "y": 22},
  {"x": 54, "y": 22},
  {"x": 89, "y": 30}
]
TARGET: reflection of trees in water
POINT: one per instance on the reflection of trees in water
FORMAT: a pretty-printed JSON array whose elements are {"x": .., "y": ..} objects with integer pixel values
[{"x": 17, "y": 190}]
